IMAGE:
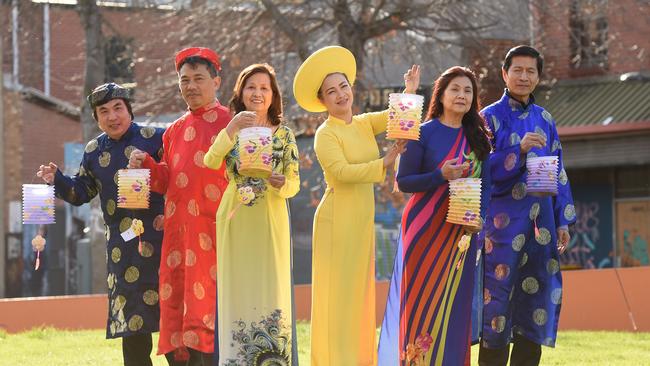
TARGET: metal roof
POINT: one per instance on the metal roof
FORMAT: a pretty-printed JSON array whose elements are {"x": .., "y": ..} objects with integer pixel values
[{"x": 601, "y": 102}]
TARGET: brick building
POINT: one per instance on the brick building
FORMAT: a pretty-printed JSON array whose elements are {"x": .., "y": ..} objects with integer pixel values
[
  {"x": 42, "y": 68},
  {"x": 43, "y": 60},
  {"x": 597, "y": 86}
]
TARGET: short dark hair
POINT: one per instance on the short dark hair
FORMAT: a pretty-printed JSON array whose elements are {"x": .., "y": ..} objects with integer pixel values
[
  {"x": 237, "y": 101},
  {"x": 194, "y": 61},
  {"x": 104, "y": 93},
  {"x": 523, "y": 50}
]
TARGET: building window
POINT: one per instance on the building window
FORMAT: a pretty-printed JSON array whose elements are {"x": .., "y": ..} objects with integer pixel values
[
  {"x": 588, "y": 23},
  {"x": 119, "y": 59}
]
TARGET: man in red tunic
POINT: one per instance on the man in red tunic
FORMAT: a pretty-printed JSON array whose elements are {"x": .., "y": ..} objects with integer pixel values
[{"x": 188, "y": 263}]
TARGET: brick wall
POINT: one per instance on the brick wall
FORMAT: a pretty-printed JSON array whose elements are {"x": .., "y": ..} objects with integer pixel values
[
  {"x": 486, "y": 63},
  {"x": 66, "y": 54},
  {"x": 31, "y": 44},
  {"x": 628, "y": 45},
  {"x": 12, "y": 144},
  {"x": 33, "y": 135},
  {"x": 155, "y": 37},
  {"x": 44, "y": 133},
  {"x": 551, "y": 30},
  {"x": 5, "y": 28}
]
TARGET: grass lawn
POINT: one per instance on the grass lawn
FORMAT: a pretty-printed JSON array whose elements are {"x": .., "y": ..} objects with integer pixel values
[{"x": 50, "y": 347}]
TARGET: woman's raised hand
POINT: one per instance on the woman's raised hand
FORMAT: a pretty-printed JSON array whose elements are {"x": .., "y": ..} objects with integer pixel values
[
  {"x": 243, "y": 119},
  {"x": 412, "y": 80},
  {"x": 393, "y": 151}
]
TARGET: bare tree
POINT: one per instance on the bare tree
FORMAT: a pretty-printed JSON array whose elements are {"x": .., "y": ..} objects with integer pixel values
[
  {"x": 286, "y": 32},
  {"x": 94, "y": 74},
  {"x": 95, "y": 66},
  {"x": 355, "y": 23}
]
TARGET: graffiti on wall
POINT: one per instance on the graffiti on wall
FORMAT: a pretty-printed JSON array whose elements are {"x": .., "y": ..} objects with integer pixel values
[
  {"x": 591, "y": 236},
  {"x": 635, "y": 250},
  {"x": 584, "y": 235},
  {"x": 633, "y": 232}
]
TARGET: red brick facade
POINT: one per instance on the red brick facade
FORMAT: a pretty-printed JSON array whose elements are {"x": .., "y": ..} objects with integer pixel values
[
  {"x": 33, "y": 135},
  {"x": 628, "y": 46},
  {"x": 153, "y": 44},
  {"x": 12, "y": 144},
  {"x": 486, "y": 63}
]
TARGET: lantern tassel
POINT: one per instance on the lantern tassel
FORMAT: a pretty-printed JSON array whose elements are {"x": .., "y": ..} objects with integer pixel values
[
  {"x": 463, "y": 246},
  {"x": 396, "y": 166},
  {"x": 462, "y": 257}
]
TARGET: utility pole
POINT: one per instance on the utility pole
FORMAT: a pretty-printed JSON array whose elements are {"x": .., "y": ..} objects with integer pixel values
[{"x": 3, "y": 203}]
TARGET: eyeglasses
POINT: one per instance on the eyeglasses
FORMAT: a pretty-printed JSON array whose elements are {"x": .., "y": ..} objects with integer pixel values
[{"x": 106, "y": 92}]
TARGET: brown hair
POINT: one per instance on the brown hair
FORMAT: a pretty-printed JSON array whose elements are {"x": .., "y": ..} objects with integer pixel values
[
  {"x": 476, "y": 131},
  {"x": 237, "y": 103}
]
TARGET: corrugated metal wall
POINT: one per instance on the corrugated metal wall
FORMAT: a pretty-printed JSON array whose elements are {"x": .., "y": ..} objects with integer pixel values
[{"x": 607, "y": 152}]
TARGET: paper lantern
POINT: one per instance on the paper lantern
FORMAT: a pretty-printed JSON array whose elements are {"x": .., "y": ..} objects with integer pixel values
[
  {"x": 404, "y": 116},
  {"x": 255, "y": 152},
  {"x": 465, "y": 202},
  {"x": 133, "y": 188},
  {"x": 38, "y": 204},
  {"x": 542, "y": 175}
]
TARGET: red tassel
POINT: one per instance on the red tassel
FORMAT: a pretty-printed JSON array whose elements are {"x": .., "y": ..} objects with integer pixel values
[
  {"x": 181, "y": 354},
  {"x": 38, "y": 260},
  {"x": 536, "y": 229},
  {"x": 463, "y": 246},
  {"x": 460, "y": 261},
  {"x": 140, "y": 244},
  {"x": 395, "y": 167}
]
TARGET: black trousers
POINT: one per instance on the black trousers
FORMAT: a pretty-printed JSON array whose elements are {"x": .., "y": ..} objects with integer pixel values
[
  {"x": 136, "y": 350},
  {"x": 197, "y": 358},
  {"x": 524, "y": 353}
]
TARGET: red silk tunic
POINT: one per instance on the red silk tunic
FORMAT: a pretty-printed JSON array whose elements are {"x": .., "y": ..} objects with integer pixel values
[{"x": 188, "y": 267}]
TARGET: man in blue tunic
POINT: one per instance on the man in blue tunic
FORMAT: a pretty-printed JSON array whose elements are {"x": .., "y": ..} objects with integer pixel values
[
  {"x": 133, "y": 311},
  {"x": 524, "y": 234}
]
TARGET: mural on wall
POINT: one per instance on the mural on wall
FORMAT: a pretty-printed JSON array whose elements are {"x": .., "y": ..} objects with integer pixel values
[
  {"x": 634, "y": 251},
  {"x": 591, "y": 236},
  {"x": 633, "y": 233}
]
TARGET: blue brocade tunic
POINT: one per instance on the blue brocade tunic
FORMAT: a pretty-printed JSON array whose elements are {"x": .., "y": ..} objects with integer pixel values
[
  {"x": 522, "y": 280},
  {"x": 132, "y": 277}
]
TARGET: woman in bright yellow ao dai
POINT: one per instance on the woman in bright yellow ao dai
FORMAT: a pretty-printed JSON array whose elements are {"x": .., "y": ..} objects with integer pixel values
[{"x": 343, "y": 281}]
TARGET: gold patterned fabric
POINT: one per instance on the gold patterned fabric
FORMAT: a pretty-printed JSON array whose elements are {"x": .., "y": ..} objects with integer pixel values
[
  {"x": 132, "y": 276},
  {"x": 523, "y": 283}
]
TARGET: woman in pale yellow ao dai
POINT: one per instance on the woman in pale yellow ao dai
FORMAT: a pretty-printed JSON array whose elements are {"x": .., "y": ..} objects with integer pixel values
[
  {"x": 343, "y": 281},
  {"x": 254, "y": 290}
]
